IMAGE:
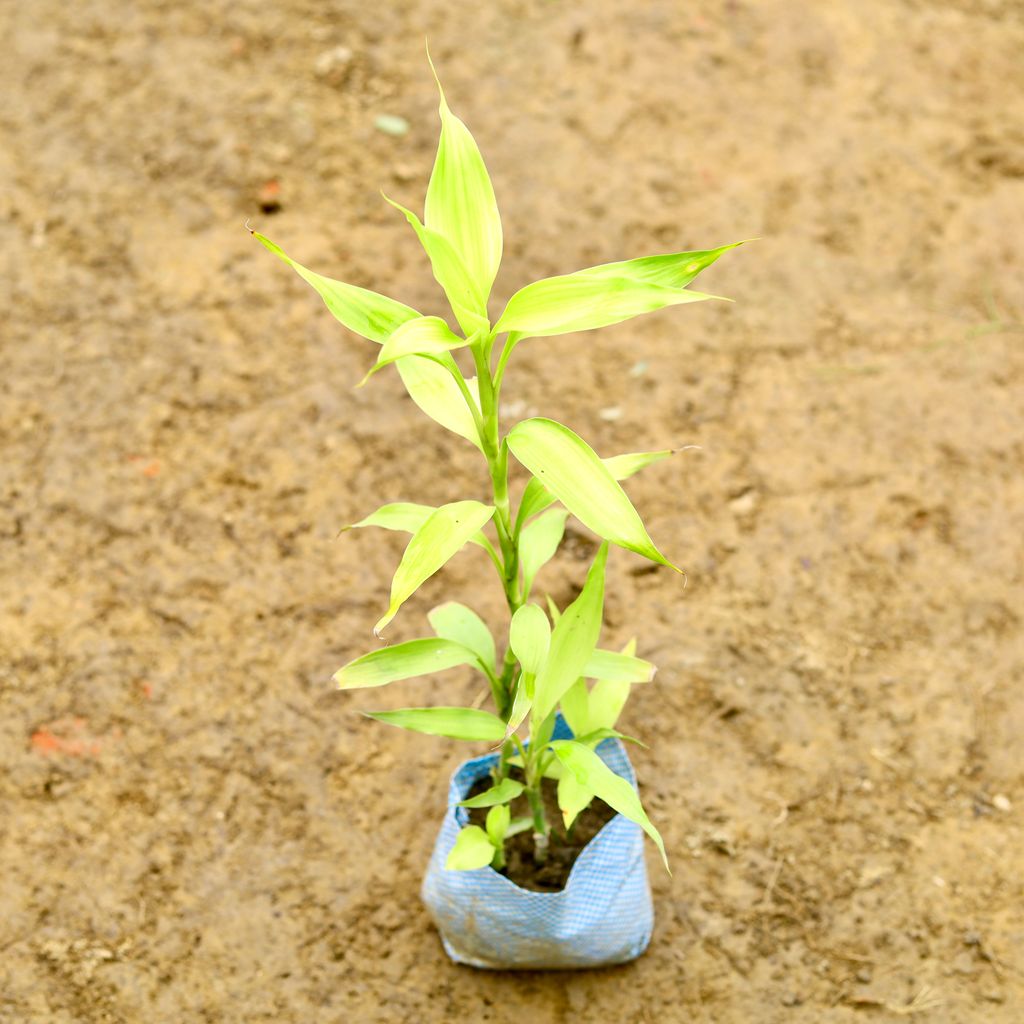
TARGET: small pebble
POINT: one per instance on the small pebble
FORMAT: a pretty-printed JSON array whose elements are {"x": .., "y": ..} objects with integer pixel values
[
  {"x": 611, "y": 413},
  {"x": 391, "y": 124},
  {"x": 1001, "y": 802},
  {"x": 333, "y": 63}
]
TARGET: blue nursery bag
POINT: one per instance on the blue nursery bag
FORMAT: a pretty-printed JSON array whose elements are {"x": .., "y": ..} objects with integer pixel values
[{"x": 603, "y": 915}]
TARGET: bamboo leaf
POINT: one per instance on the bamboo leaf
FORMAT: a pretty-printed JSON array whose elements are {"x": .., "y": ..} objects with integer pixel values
[
  {"x": 434, "y": 390},
  {"x": 573, "y": 473},
  {"x": 620, "y": 668},
  {"x": 406, "y": 517},
  {"x": 572, "y": 641},
  {"x": 536, "y": 497},
  {"x": 445, "y": 531},
  {"x": 401, "y": 516},
  {"x": 426, "y": 335},
  {"x": 402, "y": 661},
  {"x": 460, "y": 202},
  {"x": 576, "y": 707},
  {"x": 582, "y": 302},
  {"x": 455, "y": 723},
  {"x": 607, "y": 697},
  {"x": 454, "y": 621},
  {"x": 538, "y": 543},
  {"x": 472, "y": 850},
  {"x": 504, "y": 792},
  {"x": 624, "y": 466},
  {"x": 670, "y": 270},
  {"x": 615, "y": 791},
  {"x": 368, "y": 314},
  {"x": 468, "y": 302},
  {"x": 529, "y": 636},
  {"x": 498, "y": 820},
  {"x": 573, "y": 798}
]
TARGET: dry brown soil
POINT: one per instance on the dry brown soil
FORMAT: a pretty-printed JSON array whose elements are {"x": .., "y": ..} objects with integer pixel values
[{"x": 195, "y": 826}]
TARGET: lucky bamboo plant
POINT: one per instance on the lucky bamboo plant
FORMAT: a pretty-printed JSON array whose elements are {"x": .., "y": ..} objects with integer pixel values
[{"x": 549, "y": 654}]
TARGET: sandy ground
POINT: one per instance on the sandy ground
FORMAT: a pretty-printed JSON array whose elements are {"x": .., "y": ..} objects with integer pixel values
[{"x": 195, "y": 826}]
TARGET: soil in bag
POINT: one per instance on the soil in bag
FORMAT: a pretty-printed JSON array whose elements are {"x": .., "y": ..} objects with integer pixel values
[{"x": 563, "y": 848}]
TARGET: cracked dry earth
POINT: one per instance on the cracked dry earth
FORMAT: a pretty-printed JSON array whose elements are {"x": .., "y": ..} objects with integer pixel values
[{"x": 195, "y": 826}]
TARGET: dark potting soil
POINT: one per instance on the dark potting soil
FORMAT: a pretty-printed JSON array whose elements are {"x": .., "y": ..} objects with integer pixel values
[{"x": 563, "y": 848}]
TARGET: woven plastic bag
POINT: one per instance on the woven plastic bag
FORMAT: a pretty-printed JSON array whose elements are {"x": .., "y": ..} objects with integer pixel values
[{"x": 603, "y": 915}]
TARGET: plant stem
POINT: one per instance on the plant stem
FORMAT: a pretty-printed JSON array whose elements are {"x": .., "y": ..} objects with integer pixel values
[{"x": 496, "y": 453}]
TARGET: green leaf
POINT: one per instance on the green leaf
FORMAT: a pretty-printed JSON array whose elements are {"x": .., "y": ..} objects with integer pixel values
[
  {"x": 615, "y": 791},
  {"x": 620, "y": 668},
  {"x": 460, "y": 202},
  {"x": 366, "y": 313},
  {"x": 455, "y": 621},
  {"x": 582, "y": 302},
  {"x": 553, "y": 611},
  {"x": 504, "y": 792},
  {"x": 472, "y": 850},
  {"x": 538, "y": 543},
  {"x": 536, "y": 497},
  {"x": 468, "y": 302},
  {"x": 576, "y": 707},
  {"x": 606, "y": 701},
  {"x": 573, "y": 798},
  {"x": 624, "y": 466},
  {"x": 406, "y": 517},
  {"x": 518, "y": 825},
  {"x": 572, "y": 641},
  {"x": 434, "y": 390},
  {"x": 455, "y": 723},
  {"x": 498, "y": 819},
  {"x": 426, "y": 335},
  {"x": 671, "y": 270},
  {"x": 445, "y": 531},
  {"x": 574, "y": 474},
  {"x": 402, "y": 661},
  {"x": 402, "y": 516},
  {"x": 521, "y": 704},
  {"x": 529, "y": 636}
]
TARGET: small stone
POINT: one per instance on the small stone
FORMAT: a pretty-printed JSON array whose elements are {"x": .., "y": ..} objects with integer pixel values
[
  {"x": 963, "y": 963},
  {"x": 333, "y": 64},
  {"x": 1001, "y": 802},
  {"x": 391, "y": 124},
  {"x": 610, "y": 414}
]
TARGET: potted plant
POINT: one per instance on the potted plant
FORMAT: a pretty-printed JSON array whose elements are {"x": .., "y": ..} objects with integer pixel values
[{"x": 539, "y": 861}]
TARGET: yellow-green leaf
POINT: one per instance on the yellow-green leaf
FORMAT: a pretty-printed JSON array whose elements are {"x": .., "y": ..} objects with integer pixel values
[
  {"x": 455, "y": 621},
  {"x": 573, "y": 797},
  {"x": 460, "y": 202},
  {"x": 366, "y": 313},
  {"x": 572, "y": 641},
  {"x": 582, "y": 302},
  {"x": 403, "y": 661},
  {"x": 529, "y": 636},
  {"x": 473, "y": 849},
  {"x": 468, "y": 302},
  {"x": 570, "y": 469},
  {"x": 671, "y": 270},
  {"x": 434, "y": 390},
  {"x": 426, "y": 335},
  {"x": 619, "y": 668},
  {"x": 536, "y": 497},
  {"x": 538, "y": 543},
  {"x": 445, "y": 531},
  {"x": 592, "y": 773},
  {"x": 454, "y": 723},
  {"x": 504, "y": 792}
]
